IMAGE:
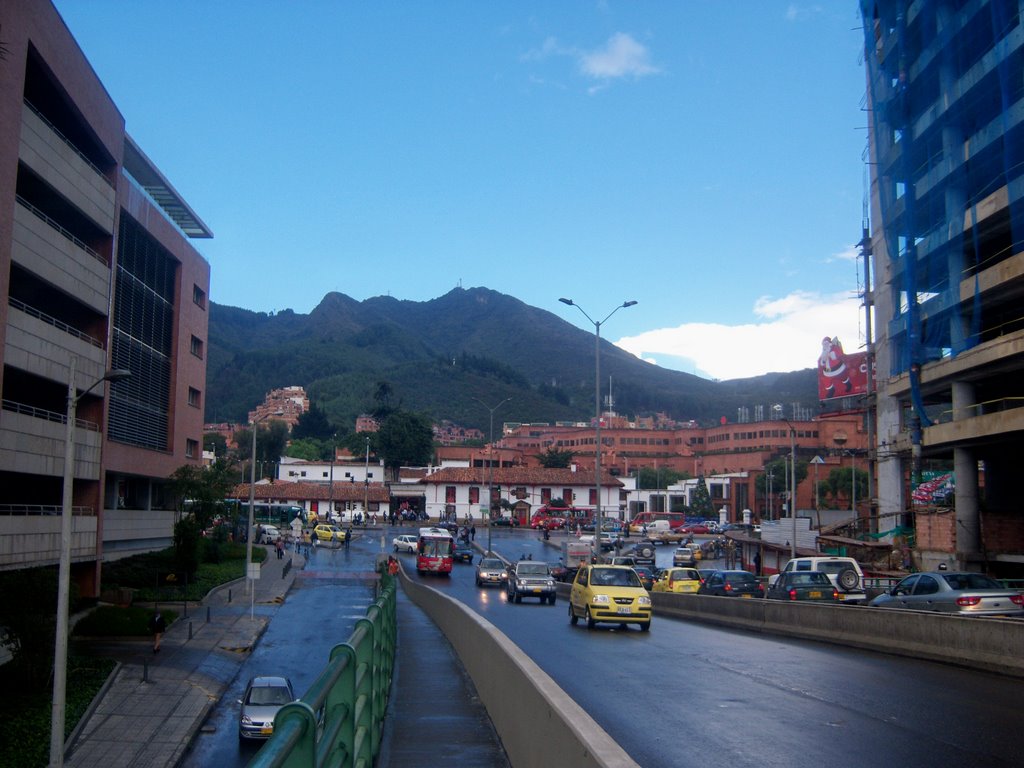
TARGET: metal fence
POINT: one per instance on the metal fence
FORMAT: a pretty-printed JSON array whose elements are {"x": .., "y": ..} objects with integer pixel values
[{"x": 339, "y": 721}]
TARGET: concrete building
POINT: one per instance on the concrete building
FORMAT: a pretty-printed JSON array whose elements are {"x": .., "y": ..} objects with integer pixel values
[
  {"x": 96, "y": 273},
  {"x": 946, "y": 127}
]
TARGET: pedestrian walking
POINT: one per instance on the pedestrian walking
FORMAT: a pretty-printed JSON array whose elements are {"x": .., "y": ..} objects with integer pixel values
[
  {"x": 472, "y": 532},
  {"x": 157, "y": 625},
  {"x": 279, "y": 544}
]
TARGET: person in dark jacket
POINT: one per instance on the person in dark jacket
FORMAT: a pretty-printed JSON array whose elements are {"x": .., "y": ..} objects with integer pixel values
[{"x": 157, "y": 625}]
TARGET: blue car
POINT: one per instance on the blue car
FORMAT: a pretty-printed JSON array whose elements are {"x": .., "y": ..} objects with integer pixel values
[{"x": 463, "y": 551}]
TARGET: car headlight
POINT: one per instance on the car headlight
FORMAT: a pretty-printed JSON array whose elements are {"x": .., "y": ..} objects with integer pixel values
[
  {"x": 550, "y": 583},
  {"x": 246, "y": 720},
  {"x": 603, "y": 599},
  {"x": 643, "y": 600}
]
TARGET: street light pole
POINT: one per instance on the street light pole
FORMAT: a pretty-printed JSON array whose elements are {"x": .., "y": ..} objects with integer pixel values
[
  {"x": 250, "y": 584},
  {"x": 366, "y": 481},
  {"x": 490, "y": 466},
  {"x": 60, "y": 652},
  {"x": 792, "y": 485},
  {"x": 597, "y": 413}
]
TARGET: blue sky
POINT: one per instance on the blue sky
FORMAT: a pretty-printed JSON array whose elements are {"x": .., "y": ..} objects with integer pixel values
[{"x": 705, "y": 159}]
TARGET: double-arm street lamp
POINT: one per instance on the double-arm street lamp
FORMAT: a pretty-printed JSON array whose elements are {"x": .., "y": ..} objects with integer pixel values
[
  {"x": 490, "y": 467},
  {"x": 597, "y": 412},
  {"x": 60, "y": 652},
  {"x": 792, "y": 485}
]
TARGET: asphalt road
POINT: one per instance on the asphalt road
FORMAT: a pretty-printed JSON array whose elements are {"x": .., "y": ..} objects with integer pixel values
[
  {"x": 690, "y": 694},
  {"x": 321, "y": 609}
]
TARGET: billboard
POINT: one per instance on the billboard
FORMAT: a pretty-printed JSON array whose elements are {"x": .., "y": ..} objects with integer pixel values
[{"x": 841, "y": 374}]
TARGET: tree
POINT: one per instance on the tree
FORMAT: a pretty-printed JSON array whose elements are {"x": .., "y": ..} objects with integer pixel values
[
  {"x": 205, "y": 488},
  {"x": 553, "y": 458},
  {"x": 313, "y": 424},
  {"x": 186, "y": 546},
  {"x": 778, "y": 471},
  {"x": 649, "y": 477},
  {"x": 700, "y": 502},
  {"x": 382, "y": 396},
  {"x": 307, "y": 449},
  {"x": 270, "y": 442},
  {"x": 216, "y": 443},
  {"x": 838, "y": 488},
  {"x": 405, "y": 439}
]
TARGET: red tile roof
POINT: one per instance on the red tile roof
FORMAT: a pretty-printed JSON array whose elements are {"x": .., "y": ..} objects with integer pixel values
[
  {"x": 286, "y": 491},
  {"x": 508, "y": 476}
]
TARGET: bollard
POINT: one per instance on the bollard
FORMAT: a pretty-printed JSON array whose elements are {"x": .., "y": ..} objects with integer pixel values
[
  {"x": 145, "y": 671},
  {"x": 229, "y": 595},
  {"x": 190, "y": 630},
  {"x": 207, "y": 614},
  {"x": 184, "y": 608}
]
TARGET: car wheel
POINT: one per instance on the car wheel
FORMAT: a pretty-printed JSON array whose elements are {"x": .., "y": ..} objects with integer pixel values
[
  {"x": 590, "y": 619},
  {"x": 519, "y": 598},
  {"x": 645, "y": 627},
  {"x": 848, "y": 579},
  {"x": 396, "y": 547},
  {"x": 573, "y": 618},
  {"x": 646, "y": 551},
  {"x": 478, "y": 582},
  {"x": 552, "y": 599}
]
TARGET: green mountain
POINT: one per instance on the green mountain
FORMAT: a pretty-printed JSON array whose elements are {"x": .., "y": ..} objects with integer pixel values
[{"x": 447, "y": 356}]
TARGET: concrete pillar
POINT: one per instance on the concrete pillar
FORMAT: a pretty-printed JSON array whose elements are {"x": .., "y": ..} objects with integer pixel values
[{"x": 965, "y": 467}]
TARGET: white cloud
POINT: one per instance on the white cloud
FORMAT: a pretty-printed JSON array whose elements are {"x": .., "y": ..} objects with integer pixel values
[
  {"x": 786, "y": 337},
  {"x": 622, "y": 56}
]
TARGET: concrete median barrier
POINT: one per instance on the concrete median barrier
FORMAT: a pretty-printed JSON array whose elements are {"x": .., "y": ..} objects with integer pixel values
[
  {"x": 534, "y": 717},
  {"x": 985, "y": 643}
]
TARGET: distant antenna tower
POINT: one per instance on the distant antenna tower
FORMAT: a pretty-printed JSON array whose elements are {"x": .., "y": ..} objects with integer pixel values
[{"x": 758, "y": 413}]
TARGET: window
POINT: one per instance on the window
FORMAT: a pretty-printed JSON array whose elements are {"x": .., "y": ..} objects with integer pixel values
[
  {"x": 197, "y": 347},
  {"x": 199, "y": 296},
  {"x": 449, "y": 494},
  {"x": 545, "y": 495},
  {"x": 191, "y": 448},
  {"x": 593, "y": 496},
  {"x": 474, "y": 494},
  {"x": 195, "y": 399}
]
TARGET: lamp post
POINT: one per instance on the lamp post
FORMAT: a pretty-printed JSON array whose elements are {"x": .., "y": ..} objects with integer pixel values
[
  {"x": 597, "y": 412},
  {"x": 60, "y": 651},
  {"x": 249, "y": 580},
  {"x": 792, "y": 460},
  {"x": 330, "y": 482},
  {"x": 366, "y": 481},
  {"x": 490, "y": 466}
]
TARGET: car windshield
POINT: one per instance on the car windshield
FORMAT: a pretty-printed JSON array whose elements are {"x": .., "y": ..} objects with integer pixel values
[
  {"x": 682, "y": 575},
  {"x": 615, "y": 577},
  {"x": 532, "y": 569},
  {"x": 970, "y": 581},
  {"x": 740, "y": 578},
  {"x": 491, "y": 563},
  {"x": 269, "y": 694}
]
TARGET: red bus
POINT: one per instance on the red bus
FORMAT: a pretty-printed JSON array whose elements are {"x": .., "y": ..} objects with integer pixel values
[{"x": 434, "y": 551}]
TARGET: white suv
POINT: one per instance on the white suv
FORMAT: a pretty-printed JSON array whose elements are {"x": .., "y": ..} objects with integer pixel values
[{"x": 844, "y": 573}]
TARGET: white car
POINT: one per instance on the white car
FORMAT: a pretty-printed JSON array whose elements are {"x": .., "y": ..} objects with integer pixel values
[
  {"x": 268, "y": 535},
  {"x": 404, "y": 543},
  {"x": 844, "y": 573}
]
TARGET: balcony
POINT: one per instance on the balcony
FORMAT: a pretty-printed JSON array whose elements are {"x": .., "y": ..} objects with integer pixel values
[
  {"x": 31, "y": 536},
  {"x": 32, "y": 442},
  {"x": 55, "y": 160},
  {"x": 41, "y": 246},
  {"x": 42, "y": 345}
]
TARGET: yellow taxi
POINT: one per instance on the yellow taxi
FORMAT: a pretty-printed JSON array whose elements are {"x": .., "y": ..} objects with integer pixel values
[
  {"x": 326, "y": 532},
  {"x": 684, "y": 580},
  {"x": 609, "y": 593}
]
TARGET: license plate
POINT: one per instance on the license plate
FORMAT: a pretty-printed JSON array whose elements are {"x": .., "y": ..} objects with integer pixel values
[
  {"x": 746, "y": 595},
  {"x": 624, "y": 609},
  {"x": 814, "y": 595},
  {"x": 266, "y": 730},
  {"x": 536, "y": 591}
]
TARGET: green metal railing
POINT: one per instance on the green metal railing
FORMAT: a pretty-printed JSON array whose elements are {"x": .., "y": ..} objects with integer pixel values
[{"x": 339, "y": 721}]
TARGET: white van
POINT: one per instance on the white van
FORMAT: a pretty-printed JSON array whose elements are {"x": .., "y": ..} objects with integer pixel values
[{"x": 844, "y": 573}]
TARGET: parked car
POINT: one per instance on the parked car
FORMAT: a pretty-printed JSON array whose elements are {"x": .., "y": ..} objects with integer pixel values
[
  {"x": 510, "y": 522},
  {"x": 490, "y": 570},
  {"x": 609, "y": 593},
  {"x": 559, "y": 571},
  {"x": 966, "y": 594},
  {"x": 268, "y": 534},
  {"x": 405, "y": 543},
  {"x": 684, "y": 556},
  {"x": 731, "y": 584},
  {"x": 263, "y": 697},
  {"x": 529, "y": 578},
  {"x": 328, "y": 532},
  {"x": 803, "y": 585},
  {"x": 463, "y": 551},
  {"x": 683, "y": 580},
  {"x": 844, "y": 573}
]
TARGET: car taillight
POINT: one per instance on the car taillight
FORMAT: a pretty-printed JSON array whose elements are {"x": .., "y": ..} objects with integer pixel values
[
  {"x": 968, "y": 600},
  {"x": 792, "y": 593},
  {"x": 728, "y": 587},
  {"x": 1017, "y": 599},
  {"x": 835, "y": 593}
]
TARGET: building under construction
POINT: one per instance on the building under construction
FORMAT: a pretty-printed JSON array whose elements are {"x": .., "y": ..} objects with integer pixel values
[{"x": 945, "y": 100}]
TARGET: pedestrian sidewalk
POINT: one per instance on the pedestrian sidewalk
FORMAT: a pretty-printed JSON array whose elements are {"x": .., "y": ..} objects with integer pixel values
[{"x": 155, "y": 702}]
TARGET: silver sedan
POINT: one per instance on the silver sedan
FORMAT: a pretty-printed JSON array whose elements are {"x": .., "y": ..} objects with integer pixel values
[{"x": 967, "y": 594}]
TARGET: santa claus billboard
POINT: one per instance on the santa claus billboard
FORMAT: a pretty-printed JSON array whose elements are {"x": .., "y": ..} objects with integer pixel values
[{"x": 841, "y": 374}]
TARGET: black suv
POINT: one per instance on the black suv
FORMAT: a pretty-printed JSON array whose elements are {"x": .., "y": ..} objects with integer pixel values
[{"x": 529, "y": 578}]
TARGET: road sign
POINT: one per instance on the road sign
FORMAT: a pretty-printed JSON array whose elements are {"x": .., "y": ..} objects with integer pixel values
[{"x": 254, "y": 571}]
